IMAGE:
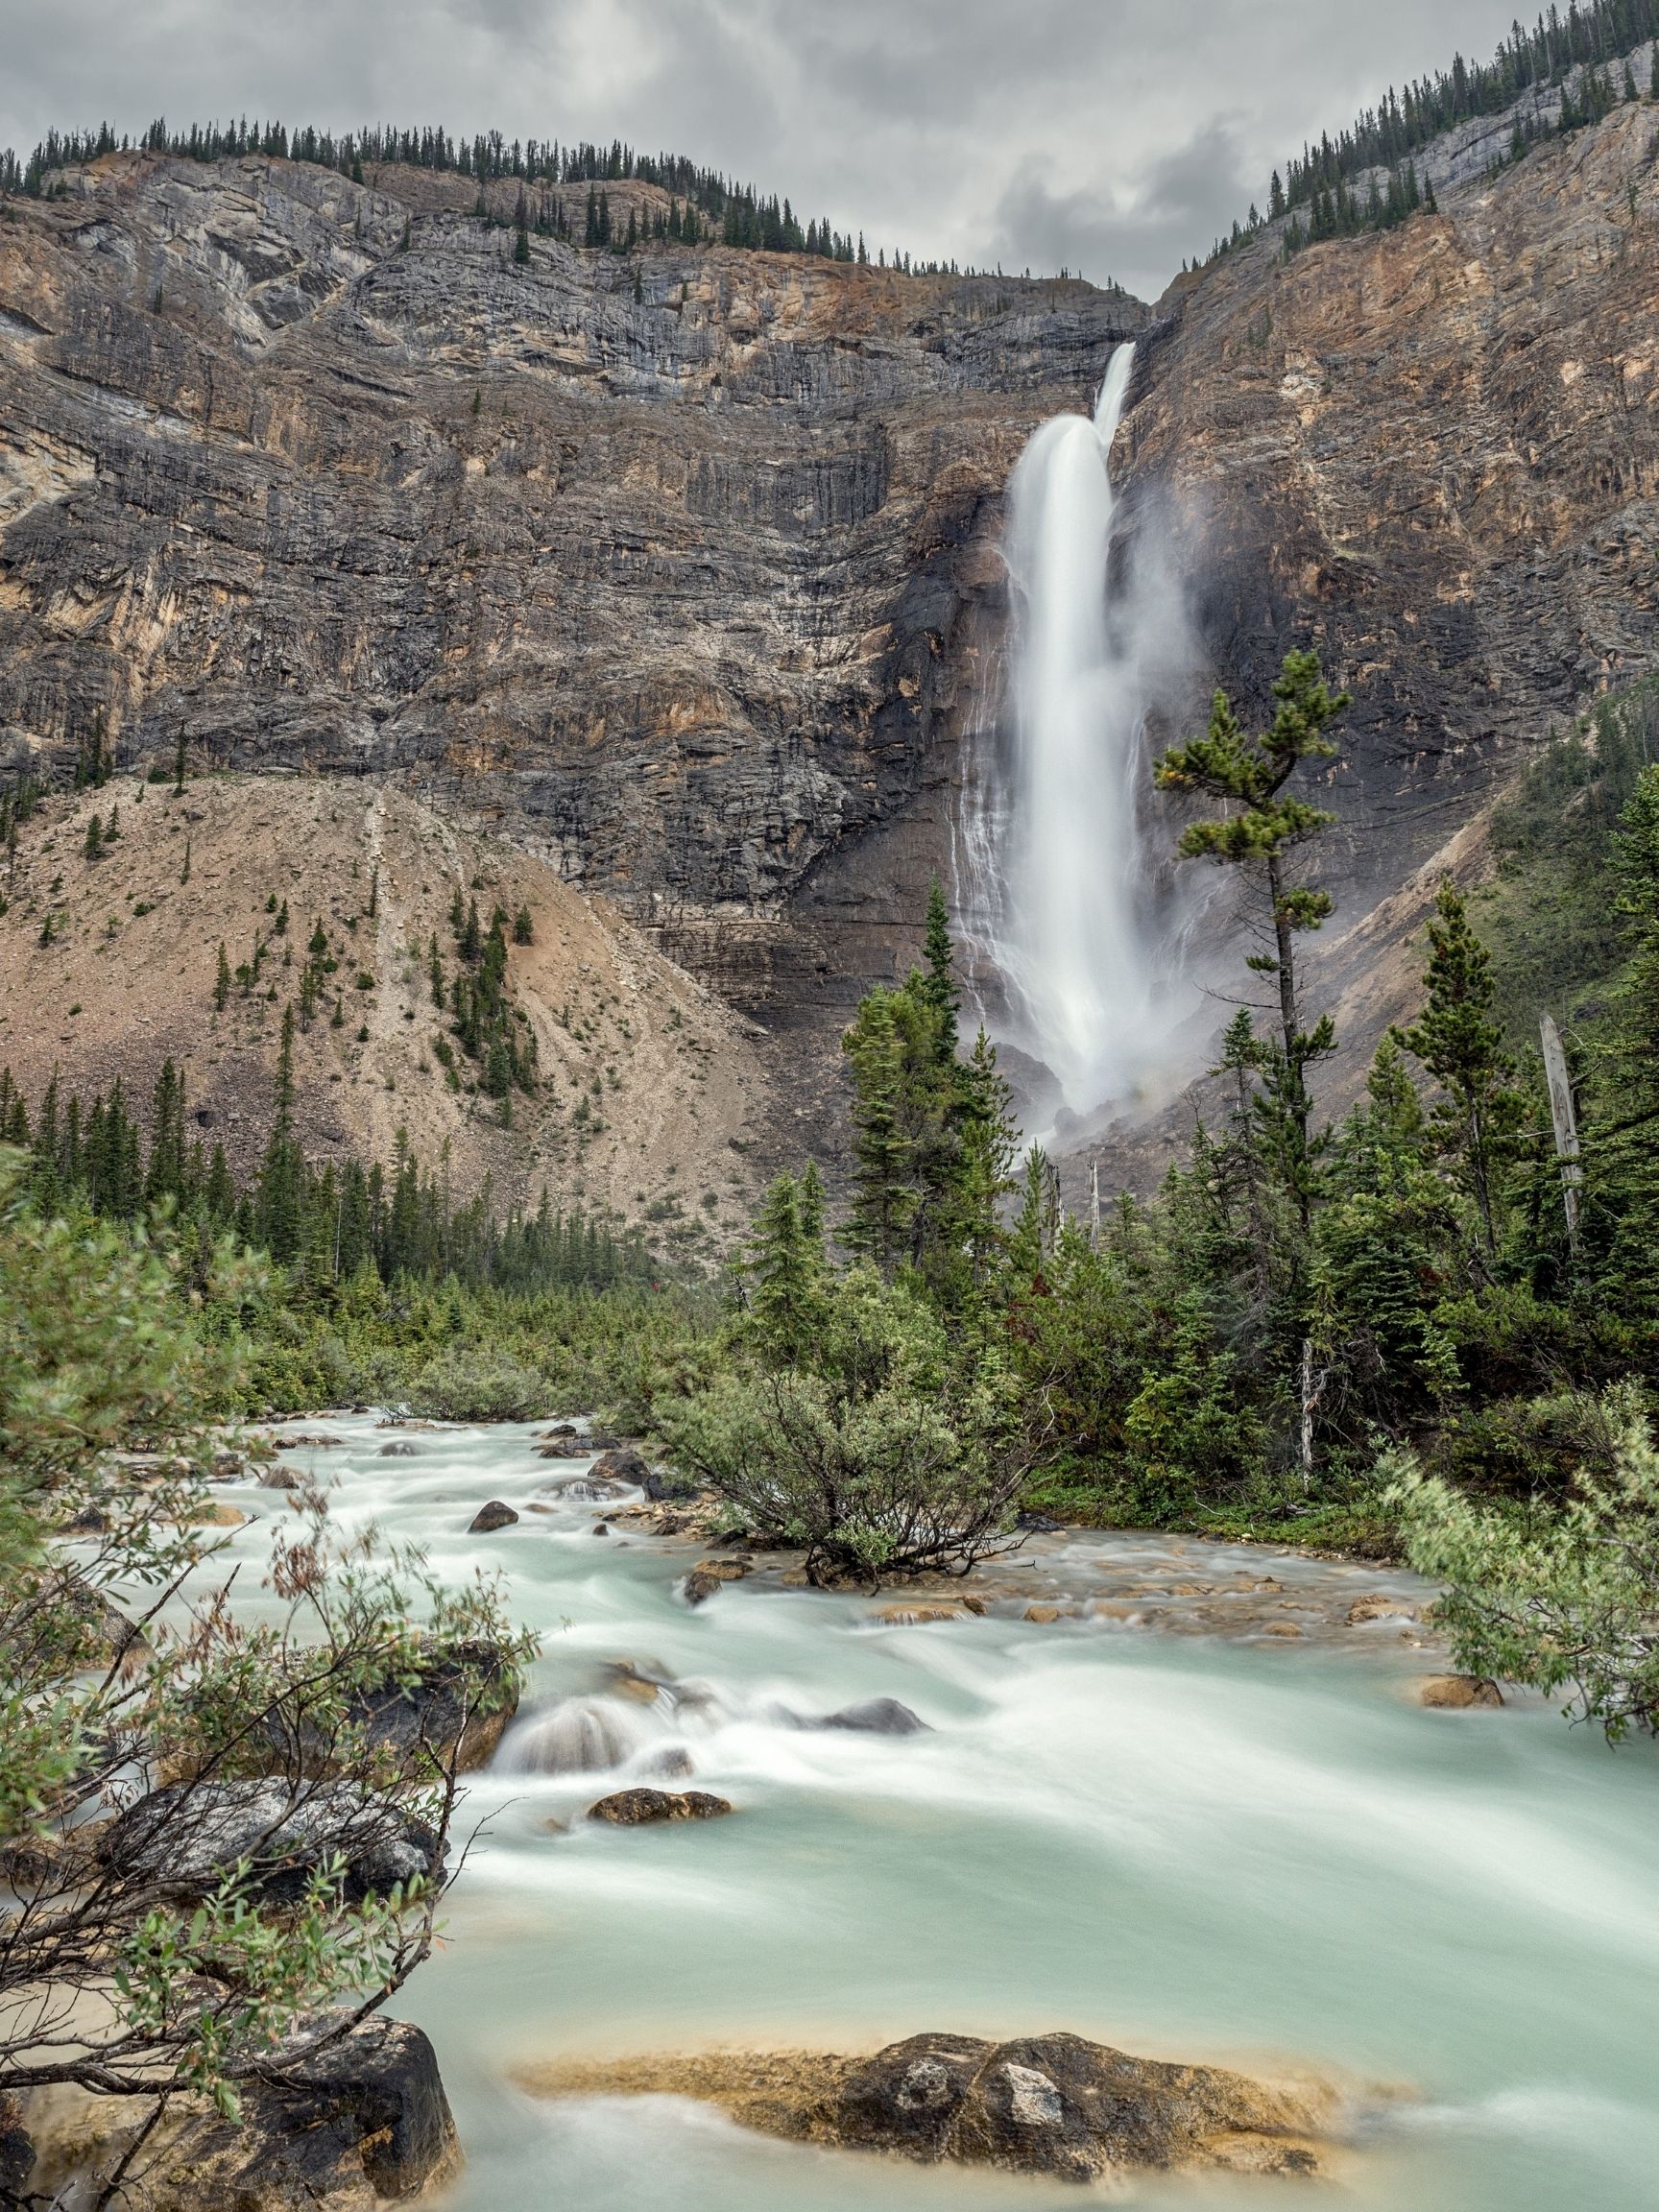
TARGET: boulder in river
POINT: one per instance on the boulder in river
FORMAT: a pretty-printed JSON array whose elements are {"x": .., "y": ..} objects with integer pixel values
[
  {"x": 180, "y": 1840},
  {"x": 1379, "y": 1606},
  {"x": 398, "y": 1450},
  {"x": 874, "y": 1717},
  {"x": 1054, "y": 2104},
  {"x": 1457, "y": 1692},
  {"x": 620, "y": 1464},
  {"x": 578, "y": 1735},
  {"x": 699, "y": 1586},
  {"x": 364, "y": 2123},
  {"x": 664, "y": 1487},
  {"x": 491, "y": 1517},
  {"x": 643, "y": 1808}
]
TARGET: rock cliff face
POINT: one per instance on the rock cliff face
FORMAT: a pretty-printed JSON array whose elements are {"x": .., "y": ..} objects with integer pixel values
[{"x": 681, "y": 573}]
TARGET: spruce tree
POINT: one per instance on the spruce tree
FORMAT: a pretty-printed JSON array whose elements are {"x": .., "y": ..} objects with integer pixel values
[
  {"x": 279, "y": 1192},
  {"x": 1261, "y": 826},
  {"x": 1462, "y": 1047},
  {"x": 786, "y": 1263},
  {"x": 221, "y": 981}
]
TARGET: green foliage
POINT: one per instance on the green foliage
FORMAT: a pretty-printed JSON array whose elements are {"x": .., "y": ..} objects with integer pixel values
[
  {"x": 106, "y": 1979},
  {"x": 933, "y": 1133},
  {"x": 1565, "y": 1601},
  {"x": 883, "y": 1451}
]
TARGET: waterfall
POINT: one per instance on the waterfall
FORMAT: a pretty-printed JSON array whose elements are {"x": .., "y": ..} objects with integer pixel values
[{"x": 1057, "y": 886}]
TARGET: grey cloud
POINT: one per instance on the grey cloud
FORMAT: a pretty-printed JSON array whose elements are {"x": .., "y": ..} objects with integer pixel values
[{"x": 1135, "y": 235}]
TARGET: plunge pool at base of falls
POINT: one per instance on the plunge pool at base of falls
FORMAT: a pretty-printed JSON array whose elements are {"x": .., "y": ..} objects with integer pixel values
[{"x": 1195, "y": 1847}]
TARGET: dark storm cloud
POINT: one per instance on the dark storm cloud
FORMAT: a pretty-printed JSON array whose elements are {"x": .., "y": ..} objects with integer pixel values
[{"x": 1115, "y": 136}]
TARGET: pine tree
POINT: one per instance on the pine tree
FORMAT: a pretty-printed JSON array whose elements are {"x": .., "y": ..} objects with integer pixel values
[
  {"x": 94, "y": 847},
  {"x": 524, "y": 928},
  {"x": 221, "y": 981},
  {"x": 1462, "y": 1047}
]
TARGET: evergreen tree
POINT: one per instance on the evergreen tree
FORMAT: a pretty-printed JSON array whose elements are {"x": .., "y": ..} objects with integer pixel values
[
  {"x": 1261, "y": 826},
  {"x": 1462, "y": 1047},
  {"x": 785, "y": 1262},
  {"x": 280, "y": 1195},
  {"x": 221, "y": 981}
]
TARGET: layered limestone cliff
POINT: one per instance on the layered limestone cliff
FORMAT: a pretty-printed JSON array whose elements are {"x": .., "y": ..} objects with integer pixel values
[{"x": 681, "y": 573}]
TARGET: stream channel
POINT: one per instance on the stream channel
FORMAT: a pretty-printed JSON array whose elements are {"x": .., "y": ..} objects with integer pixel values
[{"x": 1243, "y": 1845}]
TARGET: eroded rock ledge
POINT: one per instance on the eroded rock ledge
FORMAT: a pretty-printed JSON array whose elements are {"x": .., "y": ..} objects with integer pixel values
[{"x": 1054, "y": 2104}]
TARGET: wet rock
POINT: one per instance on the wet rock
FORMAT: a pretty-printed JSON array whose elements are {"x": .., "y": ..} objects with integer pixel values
[
  {"x": 310, "y": 1443},
  {"x": 398, "y": 1450},
  {"x": 1285, "y": 1629},
  {"x": 1053, "y": 2104},
  {"x": 280, "y": 1479},
  {"x": 663, "y": 1486},
  {"x": 726, "y": 1570},
  {"x": 183, "y": 1839},
  {"x": 17, "y": 2154},
  {"x": 699, "y": 1586},
  {"x": 644, "y": 1684},
  {"x": 1380, "y": 1607},
  {"x": 491, "y": 1517},
  {"x": 587, "y": 1492},
  {"x": 916, "y": 1613},
  {"x": 596, "y": 1441},
  {"x": 643, "y": 1808},
  {"x": 620, "y": 1464},
  {"x": 578, "y": 1735},
  {"x": 1043, "y": 1614},
  {"x": 364, "y": 2123},
  {"x": 1039, "y": 1525},
  {"x": 674, "y": 1765},
  {"x": 456, "y": 1709},
  {"x": 111, "y": 1639},
  {"x": 874, "y": 1717},
  {"x": 560, "y": 1440},
  {"x": 1457, "y": 1692},
  {"x": 601, "y": 1528}
]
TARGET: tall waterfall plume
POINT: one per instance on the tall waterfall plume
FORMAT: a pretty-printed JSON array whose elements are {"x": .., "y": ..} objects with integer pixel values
[{"x": 1055, "y": 883}]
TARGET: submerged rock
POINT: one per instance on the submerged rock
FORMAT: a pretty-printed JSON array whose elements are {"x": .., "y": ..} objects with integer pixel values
[
  {"x": 364, "y": 2123},
  {"x": 643, "y": 1807},
  {"x": 1054, "y": 2104},
  {"x": 1457, "y": 1692},
  {"x": 874, "y": 1717},
  {"x": 399, "y": 1450},
  {"x": 1379, "y": 1606},
  {"x": 491, "y": 1517},
  {"x": 579, "y": 1735}
]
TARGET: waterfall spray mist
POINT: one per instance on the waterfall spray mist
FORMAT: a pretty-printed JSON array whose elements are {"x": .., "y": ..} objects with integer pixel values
[{"x": 1059, "y": 884}]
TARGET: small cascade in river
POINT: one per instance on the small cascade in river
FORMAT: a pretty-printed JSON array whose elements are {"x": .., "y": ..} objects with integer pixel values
[{"x": 1056, "y": 885}]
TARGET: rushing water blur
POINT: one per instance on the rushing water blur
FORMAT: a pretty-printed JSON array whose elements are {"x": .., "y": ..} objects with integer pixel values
[{"x": 1192, "y": 1848}]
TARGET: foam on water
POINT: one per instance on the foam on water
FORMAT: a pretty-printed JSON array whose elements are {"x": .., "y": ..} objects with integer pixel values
[{"x": 1188, "y": 1847}]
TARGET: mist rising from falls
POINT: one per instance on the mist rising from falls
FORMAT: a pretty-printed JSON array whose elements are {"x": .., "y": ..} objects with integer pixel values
[{"x": 1055, "y": 881}]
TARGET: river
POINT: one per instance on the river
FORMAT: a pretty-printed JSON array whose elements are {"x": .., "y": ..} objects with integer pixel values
[{"x": 1237, "y": 1848}]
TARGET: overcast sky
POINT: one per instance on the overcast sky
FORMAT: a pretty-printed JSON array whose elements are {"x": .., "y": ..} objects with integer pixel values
[{"x": 1114, "y": 136}]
